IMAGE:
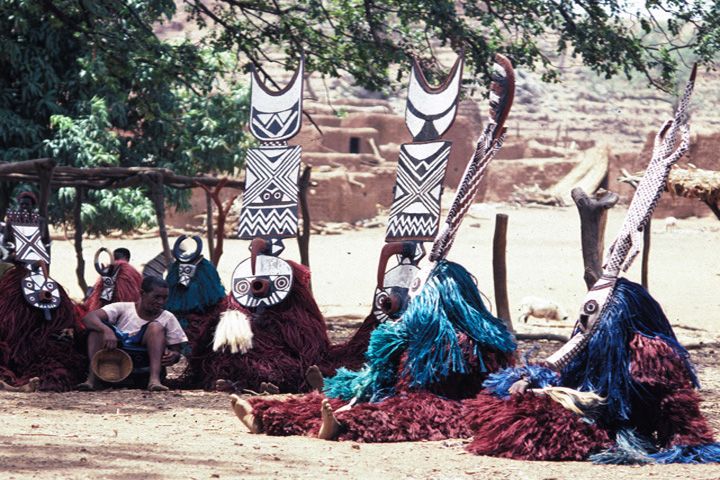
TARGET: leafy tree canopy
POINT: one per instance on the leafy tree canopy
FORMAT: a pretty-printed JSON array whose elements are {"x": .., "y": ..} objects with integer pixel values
[
  {"x": 367, "y": 38},
  {"x": 91, "y": 84}
]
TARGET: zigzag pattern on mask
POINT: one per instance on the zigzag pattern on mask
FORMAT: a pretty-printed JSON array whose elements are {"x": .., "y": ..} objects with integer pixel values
[
  {"x": 415, "y": 211},
  {"x": 270, "y": 201}
]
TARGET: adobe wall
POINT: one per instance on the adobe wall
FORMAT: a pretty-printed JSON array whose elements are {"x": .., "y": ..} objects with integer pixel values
[{"x": 703, "y": 154}]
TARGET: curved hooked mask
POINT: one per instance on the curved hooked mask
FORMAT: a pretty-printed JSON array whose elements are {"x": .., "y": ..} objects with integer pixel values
[
  {"x": 276, "y": 115},
  {"x": 187, "y": 259},
  {"x": 430, "y": 111},
  {"x": 40, "y": 291},
  {"x": 268, "y": 286},
  {"x": 108, "y": 274}
]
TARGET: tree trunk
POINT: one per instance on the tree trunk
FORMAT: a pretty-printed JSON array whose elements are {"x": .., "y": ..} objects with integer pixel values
[
  {"x": 500, "y": 269},
  {"x": 593, "y": 217}
]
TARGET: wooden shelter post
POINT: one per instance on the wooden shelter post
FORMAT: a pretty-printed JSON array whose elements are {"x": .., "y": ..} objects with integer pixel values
[
  {"x": 500, "y": 269},
  {"x": 77, "y": 219},
  {"x": 158, "y": 198},
  {"x": 303, "y": 237},
  {"x": 210, "y": 224}
]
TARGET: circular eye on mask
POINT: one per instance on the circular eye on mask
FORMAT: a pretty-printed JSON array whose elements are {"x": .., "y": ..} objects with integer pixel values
[
  {"x": 242, "y": 287},
  {"x": 381, "y": 299},
  {"x": 266, "y": 196},
  {"x": 281, "y": 283},
  {"x": 277, "y": 195},
  {"x": 590, "y": 307}
]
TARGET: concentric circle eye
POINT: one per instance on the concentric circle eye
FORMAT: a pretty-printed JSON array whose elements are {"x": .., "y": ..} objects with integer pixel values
[
  {"x": 242, "y": 287},
  {"x": 277, "y": 195},
  {"x": 266, "y": 196},
  {"x": 381, "y": 299},
  {"x": 590, "y": 307},
  {"x": 281, "y": 283}
]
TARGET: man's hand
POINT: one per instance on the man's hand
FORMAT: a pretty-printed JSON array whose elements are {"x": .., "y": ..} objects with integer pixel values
[
  {"x": 519, "y": 387},
  {"x": 109, "y": 339},
  {"x": 170, "y": 357}
]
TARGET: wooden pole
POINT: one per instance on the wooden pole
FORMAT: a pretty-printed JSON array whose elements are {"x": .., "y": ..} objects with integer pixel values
[
  {"x": 45, "y": 173},
  {"x": 158, "y": 198},
  {"x": 303, "y": 237},
  {"x": 77, "y": 218},
  {"x": 593, "y": 217},
  {"x": 210, "y": 224},
  {"x": 500, "y": 269},
  {"x": 645, "y": 254}
]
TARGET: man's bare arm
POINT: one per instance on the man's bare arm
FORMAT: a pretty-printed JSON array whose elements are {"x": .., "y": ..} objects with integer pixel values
[{"x": 94, "y": 322}]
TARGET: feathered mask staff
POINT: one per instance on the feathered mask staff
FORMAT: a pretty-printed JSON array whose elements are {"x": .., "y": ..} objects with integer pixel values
[{"x": 626, "y": 245}]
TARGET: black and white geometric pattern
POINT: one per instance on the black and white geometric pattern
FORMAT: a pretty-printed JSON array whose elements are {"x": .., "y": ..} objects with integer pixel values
[
  {"x": 415, "y": 212},
  {"x": 273, "y": 271},
  {"x": 40, "y": 291},
  {"x": 429, "y": 110},
  {"x": 26, "y": 234},
  {"x": 270, "y": 200},
  {"x": 275, "y": 116}
]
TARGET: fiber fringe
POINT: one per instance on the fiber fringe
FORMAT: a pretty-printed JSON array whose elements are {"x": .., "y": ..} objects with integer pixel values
[
  {"x": 31, "y": 346},
  {"x": 204, "y": 291},
  {"x": 499, "y": 383},
  {"x": 127, "y": 287}
]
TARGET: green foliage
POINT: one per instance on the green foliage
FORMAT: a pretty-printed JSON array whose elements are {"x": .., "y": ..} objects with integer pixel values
[
  {"x": 371, "y": 39},
  {"x": 91, "y": 84}
]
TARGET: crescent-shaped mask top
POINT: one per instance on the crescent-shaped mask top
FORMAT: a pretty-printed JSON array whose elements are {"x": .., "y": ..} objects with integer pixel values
[
  {"x": 275, "y": 116},
  {"x": 429, "y": 110}
]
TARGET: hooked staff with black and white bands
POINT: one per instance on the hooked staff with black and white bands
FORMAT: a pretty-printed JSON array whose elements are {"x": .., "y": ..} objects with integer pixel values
[{"x": 627, "y": 244}]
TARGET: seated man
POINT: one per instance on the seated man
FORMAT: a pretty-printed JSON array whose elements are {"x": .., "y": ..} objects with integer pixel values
[{"x": 143, "y": 323}]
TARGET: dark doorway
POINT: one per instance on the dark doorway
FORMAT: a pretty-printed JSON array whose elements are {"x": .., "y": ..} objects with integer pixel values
[{"x": 354, "y": 144}]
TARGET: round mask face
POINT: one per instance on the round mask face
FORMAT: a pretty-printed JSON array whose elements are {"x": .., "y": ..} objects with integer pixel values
[
  {"x": 269, "y": 285},
  {"x": 391, "y": 301},
  {"x": 40, "y": 291}
]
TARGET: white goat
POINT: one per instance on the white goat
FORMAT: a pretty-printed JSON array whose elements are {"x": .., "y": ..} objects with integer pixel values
[{"x": 541, "y": 308}]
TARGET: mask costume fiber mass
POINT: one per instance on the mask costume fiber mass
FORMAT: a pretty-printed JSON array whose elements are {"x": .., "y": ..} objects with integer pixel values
[
  {"x": 36, "y": 315},
  {"x": 420, "y": 367},
  {"x": 630, "y": 378}
]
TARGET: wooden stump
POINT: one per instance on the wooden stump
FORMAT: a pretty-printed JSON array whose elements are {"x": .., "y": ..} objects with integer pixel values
[{"x": 593, "y": 217}]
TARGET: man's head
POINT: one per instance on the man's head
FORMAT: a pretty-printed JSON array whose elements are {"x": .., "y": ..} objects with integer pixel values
[
  {"x": 153, "y": 295},
  {"x": 26, "y": 201},
  {"x": 121, "y": 254}
]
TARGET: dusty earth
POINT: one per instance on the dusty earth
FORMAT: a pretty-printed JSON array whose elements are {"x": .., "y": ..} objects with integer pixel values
[{"x": 124, "y": 434}]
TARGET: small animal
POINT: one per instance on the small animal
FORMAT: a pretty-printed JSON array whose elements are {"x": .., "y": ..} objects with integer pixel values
[
  {"x": 670, "y": 223},
  {"x": 541, "y": 308}
]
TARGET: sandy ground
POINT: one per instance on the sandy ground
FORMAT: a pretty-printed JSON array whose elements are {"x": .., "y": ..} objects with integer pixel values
[{"x": 133, "y": 434}]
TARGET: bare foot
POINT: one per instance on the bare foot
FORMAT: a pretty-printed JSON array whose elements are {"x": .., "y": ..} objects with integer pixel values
[
  {"x": 31, "y": 386},
  {"x": 157, "y": 387},
  {"x": 87, "y": 386},
  {"x": 314, "y": 377},
  {"x": 330, "y": 427},
  {"x": 244, "y": 411},
  {"x": 222, "y": 385},
  {"x": 269, "y": 388}
]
